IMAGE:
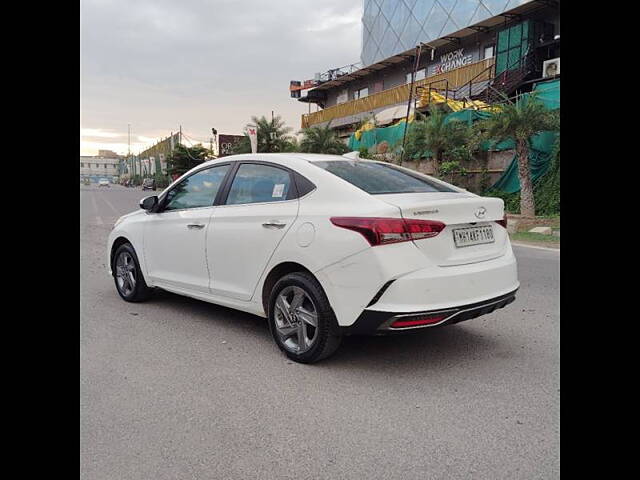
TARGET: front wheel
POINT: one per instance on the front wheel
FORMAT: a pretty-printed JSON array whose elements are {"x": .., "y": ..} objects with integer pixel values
[
  {"x": 301, "y": 319},
  {"x": 128, "y": 275}
]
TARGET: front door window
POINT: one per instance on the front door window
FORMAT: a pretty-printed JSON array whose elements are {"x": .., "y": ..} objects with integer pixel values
[{"x": 197, "y": 190}]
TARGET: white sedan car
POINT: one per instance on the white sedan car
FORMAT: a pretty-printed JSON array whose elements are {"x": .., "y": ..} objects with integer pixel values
[{"x": 321, "y": 245}]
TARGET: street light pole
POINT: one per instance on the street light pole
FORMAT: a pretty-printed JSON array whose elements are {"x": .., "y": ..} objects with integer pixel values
[{"x": 128, "y": 147}]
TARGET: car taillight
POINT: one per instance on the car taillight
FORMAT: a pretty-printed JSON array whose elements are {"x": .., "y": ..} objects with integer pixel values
[
  {"x": 503, "y": 222},
  {"x": 418, "y": 321},
  {"x": 382, "y": 231}
]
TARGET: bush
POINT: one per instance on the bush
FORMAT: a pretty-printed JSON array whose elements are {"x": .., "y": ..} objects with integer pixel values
[{"x": 364, "y": 153}]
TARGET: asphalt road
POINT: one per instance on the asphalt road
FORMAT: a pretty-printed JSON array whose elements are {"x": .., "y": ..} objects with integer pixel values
[{"x": 175, "y": 388}]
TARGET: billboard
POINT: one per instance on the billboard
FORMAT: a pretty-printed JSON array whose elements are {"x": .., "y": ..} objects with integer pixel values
[{"x": 226, "y": 143}]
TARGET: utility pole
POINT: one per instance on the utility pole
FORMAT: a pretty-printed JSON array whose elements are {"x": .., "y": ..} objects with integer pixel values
[
  {"x": 128, "y": 142},
  {"x": 180, "y": 136},
  {"x": 413, "y": 79}
]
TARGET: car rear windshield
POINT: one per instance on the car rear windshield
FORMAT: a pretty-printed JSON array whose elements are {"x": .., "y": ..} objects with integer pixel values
[{"x": 378, "y": 178}]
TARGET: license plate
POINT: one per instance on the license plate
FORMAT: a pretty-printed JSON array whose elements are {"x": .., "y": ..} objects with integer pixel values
[{"x": 465, "y": 237}]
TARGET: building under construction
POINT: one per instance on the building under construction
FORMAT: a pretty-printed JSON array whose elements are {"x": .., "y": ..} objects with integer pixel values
[{"x": 469, "y": 54}]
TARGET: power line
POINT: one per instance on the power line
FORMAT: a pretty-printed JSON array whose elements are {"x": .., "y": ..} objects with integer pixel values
[{"x": 187, "y": 148}]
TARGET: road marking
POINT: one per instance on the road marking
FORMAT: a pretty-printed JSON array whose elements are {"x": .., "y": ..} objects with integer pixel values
[
  {"x": 515, "y": 244},
  {"x": 99, "y": 221},
  {"x": 109, "y": 204},
  {"x": 94, "y": 203}
]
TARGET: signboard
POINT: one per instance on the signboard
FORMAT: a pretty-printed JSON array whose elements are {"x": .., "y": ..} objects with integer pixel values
[
  {"x": 452, "y": 60},
  {"x": 226, "y": 143},
  {"x": 160, "y": 151},
  {"x": 252, "y": 131}
]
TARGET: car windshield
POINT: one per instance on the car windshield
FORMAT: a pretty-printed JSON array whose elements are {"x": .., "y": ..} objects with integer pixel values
[{"x": 377, "y": 178}]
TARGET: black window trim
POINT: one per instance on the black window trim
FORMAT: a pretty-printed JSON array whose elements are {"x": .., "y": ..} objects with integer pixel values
[
  {"x": 293, "y": 194},
  {"x": 225, "y": 186},
  {"x": 160, "y": 207}
]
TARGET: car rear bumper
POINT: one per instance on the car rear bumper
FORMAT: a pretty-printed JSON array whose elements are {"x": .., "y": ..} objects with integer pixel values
[
  {"x": 372, "y": 322},
  {"x": 442, "y": 287}
]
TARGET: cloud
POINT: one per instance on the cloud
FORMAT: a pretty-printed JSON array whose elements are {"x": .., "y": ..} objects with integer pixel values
[{"x": 159, "y": 64}]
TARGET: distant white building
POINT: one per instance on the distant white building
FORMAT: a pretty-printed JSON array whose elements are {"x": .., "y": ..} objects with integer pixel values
[{"x": 97, "y": 167}]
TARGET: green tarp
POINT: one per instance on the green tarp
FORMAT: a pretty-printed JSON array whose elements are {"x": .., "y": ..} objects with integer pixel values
[
  {"x": 392, "y": 135},
  {"x": 540, "y": 145}
]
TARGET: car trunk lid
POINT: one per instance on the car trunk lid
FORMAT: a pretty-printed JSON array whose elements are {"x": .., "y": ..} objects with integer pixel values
[{"x": 457, "y": 210}]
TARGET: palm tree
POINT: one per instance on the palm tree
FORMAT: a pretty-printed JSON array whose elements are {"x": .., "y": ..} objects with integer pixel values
[
  {"x": 520, "y": 120},
  {"x": 321, "y": 140},
  {"x": 436, "y": 135},
  {"x": 272, "y": 136}
]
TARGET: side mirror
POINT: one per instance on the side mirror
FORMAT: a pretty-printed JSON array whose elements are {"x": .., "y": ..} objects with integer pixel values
[{"x": 148, "y": 203}]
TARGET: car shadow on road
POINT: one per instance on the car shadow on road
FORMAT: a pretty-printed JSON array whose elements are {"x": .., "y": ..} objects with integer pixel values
[
  {"x": 436, "y": 347},
  {"x": 432, "y": 347},
  {"x": 229, "y": 318}
]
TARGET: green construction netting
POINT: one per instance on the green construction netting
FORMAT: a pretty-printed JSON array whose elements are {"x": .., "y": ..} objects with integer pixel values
[
  {"x": 392, "y": 135},
  {"x": 541, "y": 145}
]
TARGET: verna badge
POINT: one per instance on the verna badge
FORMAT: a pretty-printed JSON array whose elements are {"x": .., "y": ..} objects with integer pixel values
[{"x": 481, "y": 212}]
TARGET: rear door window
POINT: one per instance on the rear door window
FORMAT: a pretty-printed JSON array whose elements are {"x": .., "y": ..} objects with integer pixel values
[
  {"x": 377, "y": 178},
  {"x": 256, "y": 183}
]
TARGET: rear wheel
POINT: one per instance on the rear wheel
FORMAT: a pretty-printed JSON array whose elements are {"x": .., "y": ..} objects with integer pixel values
[
  {"x": 128, "y": 275},
  {"x": 301, "y": 320}
]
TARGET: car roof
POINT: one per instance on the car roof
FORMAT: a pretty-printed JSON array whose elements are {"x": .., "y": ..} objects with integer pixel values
[{"x": 286, "y": 159}]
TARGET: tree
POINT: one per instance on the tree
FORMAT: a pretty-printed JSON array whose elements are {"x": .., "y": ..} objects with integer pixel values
[
  {"x": 416, "y": 143},
  {"x": 442, "y": 136},
  {"x": 321, "y": 140},
  {"x": 520, "y": 120},
  {"x": 272, "y": 137},
  {"x": 184, "y": 158},
  {"x": 436, "y": 135}
]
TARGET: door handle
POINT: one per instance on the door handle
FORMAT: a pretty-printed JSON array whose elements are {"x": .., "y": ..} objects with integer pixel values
[
  {"x": 195, "y": 226},
  {"x": 274, "y": 224}
]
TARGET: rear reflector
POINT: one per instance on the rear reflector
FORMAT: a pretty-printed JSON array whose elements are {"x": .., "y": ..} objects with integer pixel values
[
  {"x": 417, "y": 322},
  {"x": 503, "y": 222},
  {"x": 381, "y": 231}
]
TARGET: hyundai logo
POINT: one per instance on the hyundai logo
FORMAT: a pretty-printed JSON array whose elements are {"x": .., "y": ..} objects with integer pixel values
[{"x": 480, "y": 213}]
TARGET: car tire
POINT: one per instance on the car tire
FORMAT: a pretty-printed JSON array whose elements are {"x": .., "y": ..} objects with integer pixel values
[
  {"x": 127, "y": 275},
  {"x": 319, "y": 341}
]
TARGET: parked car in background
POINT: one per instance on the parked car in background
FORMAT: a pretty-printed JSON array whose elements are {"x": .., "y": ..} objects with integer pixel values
[
  {"x": 149, "y": 184},
  {"x": 321, "y": 245},
  {"x": 104, "y": 183}
]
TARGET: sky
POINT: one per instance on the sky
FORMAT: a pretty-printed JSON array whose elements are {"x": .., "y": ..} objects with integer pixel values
[{"x": 159, "y": 64}]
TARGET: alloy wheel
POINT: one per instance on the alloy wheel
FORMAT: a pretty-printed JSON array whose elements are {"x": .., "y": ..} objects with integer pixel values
[
  {"x": 126, "y": 273},
  {"x": 296, "y": 319}
]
